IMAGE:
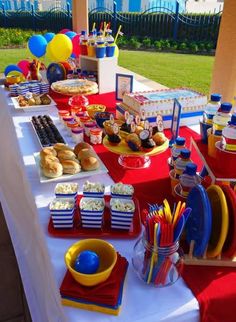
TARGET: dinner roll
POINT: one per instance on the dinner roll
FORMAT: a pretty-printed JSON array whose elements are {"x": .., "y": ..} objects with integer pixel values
[
  {"x": 90, "y": 163},
  {"x": 80, "y": 146},
  {"x": 61, "y": 146},
  {"x": 48, "y": 151},
  {"x": 52, "y": 169},
  {"x": 66, "y": 155},
  {"x": 70, "y": 166},
  {"x": 48, "y": 158},
  {"x": 85, "y": 153}
]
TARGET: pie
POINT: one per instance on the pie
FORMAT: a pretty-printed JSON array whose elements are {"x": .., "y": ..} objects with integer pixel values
[{"x": 75, "y": 87}]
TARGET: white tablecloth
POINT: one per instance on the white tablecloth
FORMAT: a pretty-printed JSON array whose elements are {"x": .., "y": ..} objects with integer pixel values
[{"x": 41, "y": 258}]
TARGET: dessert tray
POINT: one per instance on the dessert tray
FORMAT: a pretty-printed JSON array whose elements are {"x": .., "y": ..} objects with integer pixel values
[
  {"x": 134, "y": 160},
  {"x": 72, "y": 87},
  {"x": 105, "y": 232},
  {"x": 31, "y": 108},
  {"x": 68, "y": 177}
]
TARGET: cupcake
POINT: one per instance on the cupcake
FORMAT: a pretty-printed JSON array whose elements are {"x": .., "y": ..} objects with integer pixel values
[
  {"x": 113, "y": 135},
  {"x": 159, "y": 138},
  {"x": 146, "y": 142},
  {"x": 133, "y": 142}
]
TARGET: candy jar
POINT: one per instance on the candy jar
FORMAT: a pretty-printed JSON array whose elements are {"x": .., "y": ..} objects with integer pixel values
[
  {"x": 157, "y": 266},
  {"x": 189, "y": 179}
]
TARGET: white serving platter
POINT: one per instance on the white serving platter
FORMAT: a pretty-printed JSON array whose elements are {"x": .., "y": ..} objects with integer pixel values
[
  {"x": 32, "y": 107},
  {"x": 66, "y": 177}
]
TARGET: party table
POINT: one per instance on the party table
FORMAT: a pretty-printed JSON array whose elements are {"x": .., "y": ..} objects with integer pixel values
[{"x": 41, "y": 257}]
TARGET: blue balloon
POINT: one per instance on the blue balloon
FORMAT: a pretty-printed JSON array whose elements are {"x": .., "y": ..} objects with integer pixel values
[
  {"x": 49, "y": 36},
  {"x": 72, "y": 55},
  {"x": 37, "y": 45},
  {"x": 70, "y": 34},
  {"x": 11, "y": 68}
]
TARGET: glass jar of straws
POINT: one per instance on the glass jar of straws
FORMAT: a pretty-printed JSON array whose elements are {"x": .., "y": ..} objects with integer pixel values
[{"x": 155, "y": 265}]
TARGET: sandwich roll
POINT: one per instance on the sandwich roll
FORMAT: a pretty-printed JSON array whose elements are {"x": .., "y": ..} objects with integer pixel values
[
  {"x": 85, "y": 153},
  {"x": 80, "y": 146},
  {"x": 48, "y": 158},
  {"x": 70, "y": 166},
  {"x": 61, "y": 146},
  {"x": 48, "y": 151},
  {"x": 66, "y": 155},
  {"x": 90, "y": 163},
  {"x": 52, "y": 169}
]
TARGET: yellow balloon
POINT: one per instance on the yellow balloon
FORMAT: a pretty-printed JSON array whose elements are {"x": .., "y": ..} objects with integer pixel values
[
  {"x": 49, "y": 55},
  {"x": 116, "y": 52},
  {"x": 60, "y": 48}
]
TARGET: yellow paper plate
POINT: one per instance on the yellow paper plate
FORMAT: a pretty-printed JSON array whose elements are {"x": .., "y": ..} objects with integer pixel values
[
  {"x": 220, "y": 220},
  {"x": 123, "y": 148}
]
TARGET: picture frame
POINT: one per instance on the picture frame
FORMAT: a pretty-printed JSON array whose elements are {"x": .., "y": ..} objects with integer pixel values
[
  {"x": 124, "y": 84},
  {"x": 176, "y": 115}
]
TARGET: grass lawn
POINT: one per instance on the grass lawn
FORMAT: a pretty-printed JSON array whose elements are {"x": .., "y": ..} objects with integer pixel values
[{"x": 172, "y": 70}]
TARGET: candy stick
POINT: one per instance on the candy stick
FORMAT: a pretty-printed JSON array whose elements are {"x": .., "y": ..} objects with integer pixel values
[
  {"x": 105, "y": 26},
  {"x": 94, "y": 25},
  {"x": 153, "y": 253},
  {"x": 117, "y": 34},
  {"x": 101, "y": 25}
]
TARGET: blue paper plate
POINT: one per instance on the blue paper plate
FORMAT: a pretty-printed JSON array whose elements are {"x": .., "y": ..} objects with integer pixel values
[{"x": 198, "y": 226}]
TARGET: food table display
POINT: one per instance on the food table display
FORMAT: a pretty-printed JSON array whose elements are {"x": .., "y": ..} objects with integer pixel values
[{"x": 135, "y": 305}]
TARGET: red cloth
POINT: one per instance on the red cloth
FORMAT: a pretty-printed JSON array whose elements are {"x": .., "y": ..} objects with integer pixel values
[
  {"x": 106, "y": 293},
  {"x": 215, "y": 290},
  {"x": 214, "y": 287}
]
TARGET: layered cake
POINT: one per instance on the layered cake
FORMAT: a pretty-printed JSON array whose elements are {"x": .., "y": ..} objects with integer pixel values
[{"x": 151, "y": 103}]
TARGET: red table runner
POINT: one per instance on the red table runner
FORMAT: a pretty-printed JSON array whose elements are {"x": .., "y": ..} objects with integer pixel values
[{"x": 214, "y": 287}]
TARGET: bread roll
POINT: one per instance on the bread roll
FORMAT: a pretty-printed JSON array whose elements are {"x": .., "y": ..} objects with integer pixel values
[
  {"x": 85, "y": 153},
  {"x": 80, "y": 146},
  {"x": 52, "y": 169},
  {"x": 90, "y": 163},
  {"x": 70, "y": 166},
  {"x": 61, "y": 146},
  {"x": 48, "y": 158},
  {"x": 66, "y": 155},
  {"x": 159, "y": 138},
  {"x": 48, "y": 151}
]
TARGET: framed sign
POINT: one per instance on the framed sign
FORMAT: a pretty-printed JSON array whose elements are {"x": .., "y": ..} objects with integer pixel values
[
  {"x": 175, "y": 121},
  {"x": 124, "y": 84}
]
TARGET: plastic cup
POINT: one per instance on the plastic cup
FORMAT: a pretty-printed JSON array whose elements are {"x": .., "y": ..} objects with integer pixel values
[
  {"x": 173, "y": 182},
  {"x": 203, "y": 130},
  {"x": 100, "y": 52},
  {"x": 84, "y": 50},
  {"x": 212, "y": 139},
  {"x": 91, "y": 51},
  {"x": 110, "y": 51},
  {"x": 170, "y": 165},
  {"x": 225, "y": 161}
]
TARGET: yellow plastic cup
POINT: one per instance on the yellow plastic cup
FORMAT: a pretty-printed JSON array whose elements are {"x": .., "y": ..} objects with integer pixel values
[
  {"x": 91, "y": 51},
  {"x": 212, "y": 139},
  {"x": 173, "y": 182}
]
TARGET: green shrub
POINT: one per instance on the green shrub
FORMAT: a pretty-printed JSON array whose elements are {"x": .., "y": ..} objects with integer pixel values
[
  {"x": 158, "y": 45},
  {"x": 166, "y": 44},
  {"x": 134, "y": 43},
  {"x": 193, "y": 47},
  {"x": 182, "y": 46},
  {"x": 209, "y": 46},
  {"x": 147, "y": 43}
]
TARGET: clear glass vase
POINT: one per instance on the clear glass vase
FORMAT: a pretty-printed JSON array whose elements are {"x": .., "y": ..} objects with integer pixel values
[{"x": 158, "y": 267}]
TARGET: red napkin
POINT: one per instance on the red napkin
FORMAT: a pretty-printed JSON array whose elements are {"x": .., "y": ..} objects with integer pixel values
[
  {"x": 215, "y": 290},
  {"x": 106, "y": 293}
]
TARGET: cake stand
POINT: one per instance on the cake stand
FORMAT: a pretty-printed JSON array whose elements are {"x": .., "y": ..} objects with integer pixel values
[{"x": 134, "y": 160}]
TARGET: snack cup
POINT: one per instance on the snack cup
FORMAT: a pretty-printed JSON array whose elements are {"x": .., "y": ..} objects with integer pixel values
[
  {"x": 63, "y": 221},
  {"x": 122, "y": 195},
  {"x": 173, "y": 181},
  {"x": 110, "y": 51},
  {"x": 212, "y": 139},
  {"x": 121, "y": 219},
  {"x": 225, "y": 161},
  {"x": 66, "y": 195},
  {"x": 100, "y": 52},
  {"x": 95, "y": 194},
  {"x": 91, "y": 51},
  {"x": 203, "y": 130},
  {"x": 91, "y": 218}
]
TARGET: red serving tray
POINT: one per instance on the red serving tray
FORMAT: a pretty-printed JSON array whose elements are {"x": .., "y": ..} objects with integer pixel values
[{"x": 105, "y": 232}]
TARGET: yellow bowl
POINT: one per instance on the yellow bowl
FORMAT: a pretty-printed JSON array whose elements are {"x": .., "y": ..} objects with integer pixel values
[
  {"x": 107, "y": 255},
  {"x": 94, "y": 108}
]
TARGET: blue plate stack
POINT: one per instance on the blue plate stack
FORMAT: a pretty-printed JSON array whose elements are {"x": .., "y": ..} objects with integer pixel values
[
  {"x": 13, "y": 89},
  {"x": 44, "y": 88},
  {"x": 122, "y": 212},
  {"x": 62, "y": 212},
  {"x": 22, "y": 90},
  {"x": 91, "y": 212}
]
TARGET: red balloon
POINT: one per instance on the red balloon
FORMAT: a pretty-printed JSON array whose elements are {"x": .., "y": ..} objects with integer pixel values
[
  {"x": 76, "y": 45},
  {"x": 63, "y": 31},
  {"x": 24, "y": 66}
]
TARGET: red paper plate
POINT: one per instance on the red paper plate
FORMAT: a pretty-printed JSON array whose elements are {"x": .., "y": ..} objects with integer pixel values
[
  {"x": 229, "y": 249},
  {"x": 105, "y": 232}
]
